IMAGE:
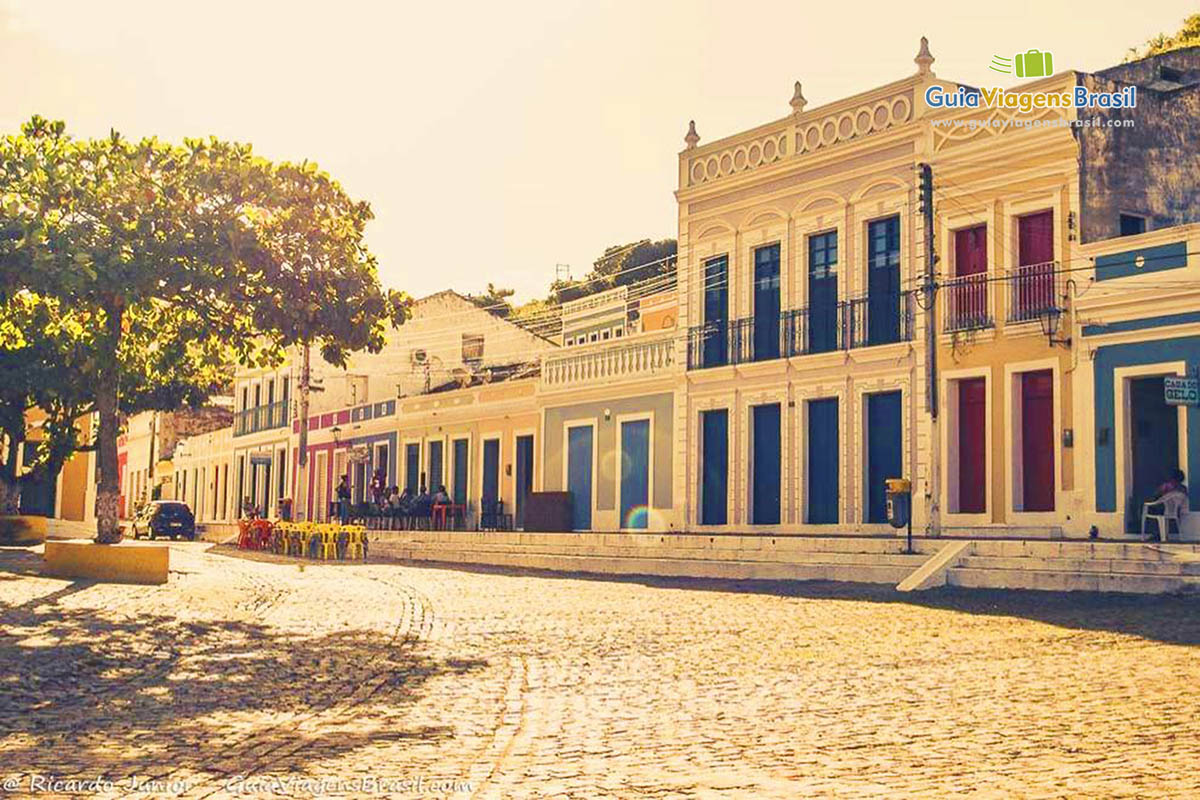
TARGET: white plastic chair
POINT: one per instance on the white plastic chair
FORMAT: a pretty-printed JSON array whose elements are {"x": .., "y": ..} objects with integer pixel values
[{"x": 1175, "y": 505}]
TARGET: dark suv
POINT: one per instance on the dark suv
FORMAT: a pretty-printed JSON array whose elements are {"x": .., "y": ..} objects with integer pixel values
[{"x": 164, "y": 518}]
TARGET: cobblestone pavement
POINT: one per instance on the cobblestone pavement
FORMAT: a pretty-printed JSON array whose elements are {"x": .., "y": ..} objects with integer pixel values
[{"x": 479, "y": 684}]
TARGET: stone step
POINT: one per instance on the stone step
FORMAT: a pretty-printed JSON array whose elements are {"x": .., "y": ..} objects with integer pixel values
[
  {"x": 1092, "y": 565},
  {"x": 670, "y": 567},
  {"x": 797, "y": 557},
  {"x": 1136, "y": 551},
  {"x": 1059, "y": 581}
]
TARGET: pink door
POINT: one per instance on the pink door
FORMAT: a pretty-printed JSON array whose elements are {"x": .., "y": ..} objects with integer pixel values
[
  {"x": 968, "y": 296},
  {"x": 972, "y": 446},
  {"x": 1037, "y": 440},
  {"x": 1034, "y": 290}
]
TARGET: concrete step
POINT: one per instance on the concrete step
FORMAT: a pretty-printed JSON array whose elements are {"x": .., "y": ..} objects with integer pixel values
[
  {"x": 672, "y": 567},
  {"x": 1082, "y": 565},
  {"x": 1060, "y": 581},
  {"x": 634, "y": 552}
]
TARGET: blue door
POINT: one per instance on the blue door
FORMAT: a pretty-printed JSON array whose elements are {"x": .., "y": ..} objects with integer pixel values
[
  {"x": 491, "y": 471},
  {"x": 884, "y": 450},
  {"x": 635, "y": 473},
  {"x": 412, "y": 467},
  {"x": 822, "y": 292},
  {"x": 716, "y": 311},
  {"x": 461, "y": 464},
  {"x": 823, "y": 494},
  {"x": 579, "y": 475},
  {"x": 766, "y": 303},
  {"x": 714, "y": 467},
  {"x": 524, "y": 477},
  {"x": 764, "y": 477},
  {"x": 436, "y": 480},
  {"x": 883, "y": 281}
]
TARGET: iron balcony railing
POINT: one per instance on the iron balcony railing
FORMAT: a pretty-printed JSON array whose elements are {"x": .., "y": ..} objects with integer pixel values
[
  {"x": 1033, "y": 291},
  {"x": 860, "y": 322},
  {"x": 967, "y": 303},
  {"x": 261, "y": 418}
]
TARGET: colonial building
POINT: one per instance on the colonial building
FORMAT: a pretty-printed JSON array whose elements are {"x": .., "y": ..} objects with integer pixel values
[
  {"x": 1138, "y": 325},
  {"x": 612, "y": 410}
]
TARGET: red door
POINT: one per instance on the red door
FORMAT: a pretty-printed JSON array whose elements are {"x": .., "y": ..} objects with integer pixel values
[
  {"x": 972, "y": 446},
  {"x": 1035, "y": 270},
  {"x": 968, "y": 297},
  {"x": 1037, "y": 440}
]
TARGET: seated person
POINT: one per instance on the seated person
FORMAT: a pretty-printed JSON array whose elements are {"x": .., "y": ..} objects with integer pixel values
[{"x": 1173, "y": 485}]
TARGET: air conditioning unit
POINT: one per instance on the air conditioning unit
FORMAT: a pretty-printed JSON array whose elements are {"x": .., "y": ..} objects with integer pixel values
[{"x": 419, "y": 356}]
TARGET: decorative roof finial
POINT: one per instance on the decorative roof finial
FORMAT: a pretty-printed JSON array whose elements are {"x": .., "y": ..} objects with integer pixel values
[
  {"x": 692, "y": 137},
  {"x": 798, "y": 102},
  {"x": 924, "y": 58}
]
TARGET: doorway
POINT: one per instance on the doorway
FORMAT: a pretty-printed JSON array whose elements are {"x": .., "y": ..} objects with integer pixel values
[
  {"x": 1153, "y": 443},
  {"x": 524, "y": 477},
  {"x": 579, "y": 475},
  {"x": 635, "y": 473},
  {"x": 885, "y": 457}
]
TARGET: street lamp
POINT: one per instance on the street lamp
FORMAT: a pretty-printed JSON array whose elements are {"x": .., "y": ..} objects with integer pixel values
[
  {"x": 335, "y": 431},
  {"x": 1050, "y": 321}
]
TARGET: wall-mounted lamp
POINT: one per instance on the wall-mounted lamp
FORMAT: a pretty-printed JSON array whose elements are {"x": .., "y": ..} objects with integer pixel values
[
  {"x": 607, "y": 414},
  {"x": 335, "y": 431},
  {"x": 1050, "y": 322}
]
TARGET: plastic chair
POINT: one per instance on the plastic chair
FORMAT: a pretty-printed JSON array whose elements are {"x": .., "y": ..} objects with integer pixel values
[
  {"x": 245, "y": 538},
  {"x": 1174, "y": 506},
  {"x": 328, "y": 542},
  {"x": 356, "y": 542}
]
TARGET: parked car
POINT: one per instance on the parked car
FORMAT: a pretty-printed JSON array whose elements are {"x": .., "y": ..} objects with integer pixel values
[{"x": 164, "y": 518}]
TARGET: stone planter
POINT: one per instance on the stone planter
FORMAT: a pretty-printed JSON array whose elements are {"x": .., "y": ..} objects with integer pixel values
[{"x": 22, "y": 531}]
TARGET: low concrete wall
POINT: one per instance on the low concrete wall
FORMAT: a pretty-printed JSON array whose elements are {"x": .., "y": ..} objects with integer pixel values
[
  {"x": 118, "y": 563},
  {"x": 1050, "y": 565}
]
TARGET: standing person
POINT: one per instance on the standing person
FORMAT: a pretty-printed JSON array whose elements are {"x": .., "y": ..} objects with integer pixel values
[
  {"x": 343, "y": 498},
  {"x": 378, "y": 488}
]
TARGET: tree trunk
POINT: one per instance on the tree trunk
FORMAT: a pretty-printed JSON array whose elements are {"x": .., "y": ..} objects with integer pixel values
[
  {"x": 10, "y": 486},
  {"x": 108, "y": 488},
  {"x": 10, "y": 498}
]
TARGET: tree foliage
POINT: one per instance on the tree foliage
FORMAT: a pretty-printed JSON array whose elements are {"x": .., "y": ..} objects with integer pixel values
[
  {"x": 1186, "y": 36},
  {"x": 178, "y": 261},
  {"x": 620, "y": 265},
  {"x": 497, "y": 301}
]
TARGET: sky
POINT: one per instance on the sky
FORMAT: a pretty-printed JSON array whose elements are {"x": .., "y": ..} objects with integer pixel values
[{"x": 495, "y": 141}]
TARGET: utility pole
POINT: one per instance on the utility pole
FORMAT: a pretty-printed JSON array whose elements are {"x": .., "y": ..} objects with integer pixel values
[
  {"x": 302, "y": 456},
  {"x": 931, "y": 341}
]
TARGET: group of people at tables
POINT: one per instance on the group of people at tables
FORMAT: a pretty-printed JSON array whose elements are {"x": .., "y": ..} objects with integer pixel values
[{"x": 400, "y": 503}]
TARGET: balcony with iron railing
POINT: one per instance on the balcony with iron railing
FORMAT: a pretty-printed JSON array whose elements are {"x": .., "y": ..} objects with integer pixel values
[
  {"x": 848, "y": 324},
  {"x": 260, "y": 418},
  {"x": 1034, "y": 290},
  {"x": 1030, "y": 292},
  {"x": 613, "y": 360}
]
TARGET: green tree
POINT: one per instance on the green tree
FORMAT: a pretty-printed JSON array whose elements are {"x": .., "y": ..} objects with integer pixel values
[
  {"x": 1187, "y": 36},
  {"x": 183, "y": 259},
  {"x": 497, "y": 301}
]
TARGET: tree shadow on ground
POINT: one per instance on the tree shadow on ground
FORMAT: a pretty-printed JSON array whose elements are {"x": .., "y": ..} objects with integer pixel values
[
  {"x": 88, "y": 691},
  {"x": 1171, "y": 619}
]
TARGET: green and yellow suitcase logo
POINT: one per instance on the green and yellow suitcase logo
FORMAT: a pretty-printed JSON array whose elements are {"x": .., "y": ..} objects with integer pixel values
[{"x": 1030, "y": 64}]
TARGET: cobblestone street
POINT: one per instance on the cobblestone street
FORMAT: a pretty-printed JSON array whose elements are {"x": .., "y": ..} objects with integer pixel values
[{"x": 474, "y": 684}]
